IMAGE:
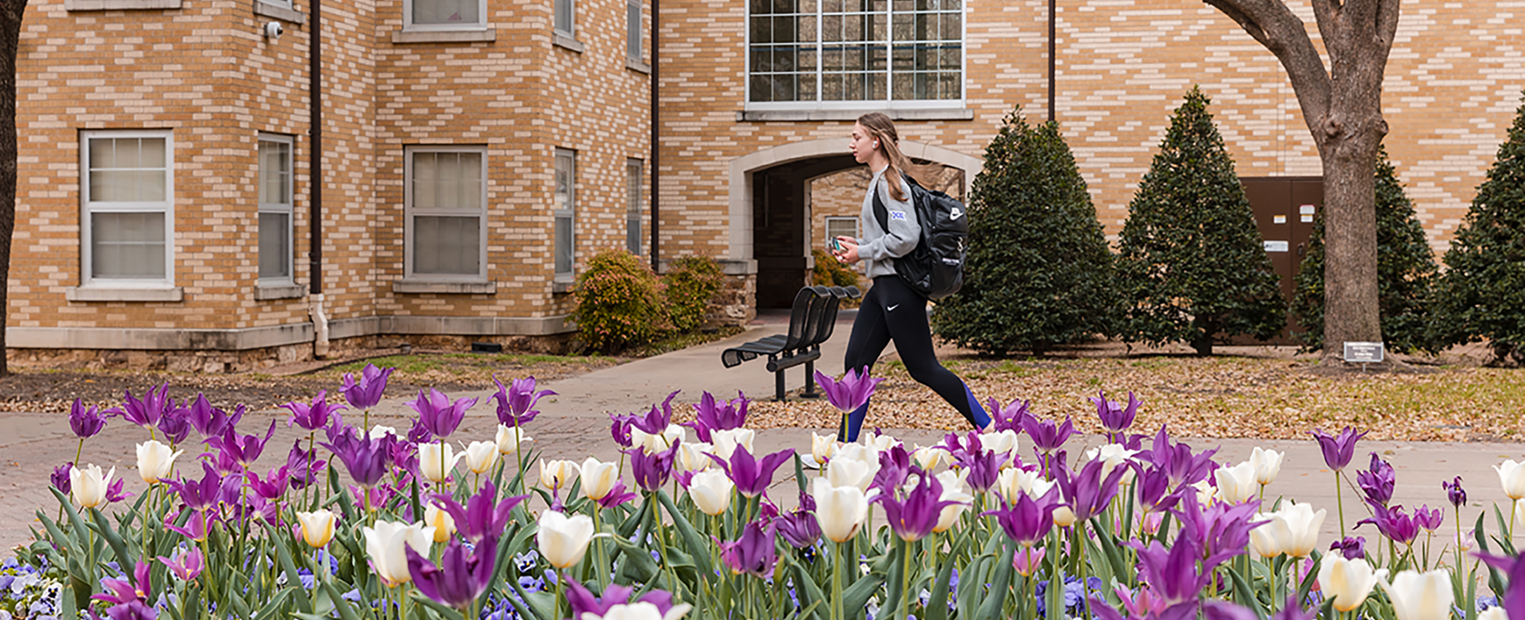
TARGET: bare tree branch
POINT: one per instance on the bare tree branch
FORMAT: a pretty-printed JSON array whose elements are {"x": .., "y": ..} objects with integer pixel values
[
  {"x": 1273, "y": 25},
  {"x": 1387, "y": 23}
]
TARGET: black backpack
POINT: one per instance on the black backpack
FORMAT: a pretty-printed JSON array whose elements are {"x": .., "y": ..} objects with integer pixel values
[{"x": 935, "y": 268}]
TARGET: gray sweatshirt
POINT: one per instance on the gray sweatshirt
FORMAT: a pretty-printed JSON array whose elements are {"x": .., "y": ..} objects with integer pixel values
[{"x": 878, "y": 248}]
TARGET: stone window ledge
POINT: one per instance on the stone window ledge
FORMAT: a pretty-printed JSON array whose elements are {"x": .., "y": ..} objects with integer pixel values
[
  {"x": 560, "y": 287},
  {"x": 943, "y": 114},
  {"x": 483, "y": 35},
  {"x": 103, "y": 294},
  {"x": 562, "y": 40},
  {"x": 637, "y": 66},
  {"x": 417, "y": 287},
  {"x": 267, "y": 292},
  {"x": 266, "y": 9},
  {"x": 119, "y": 5}
]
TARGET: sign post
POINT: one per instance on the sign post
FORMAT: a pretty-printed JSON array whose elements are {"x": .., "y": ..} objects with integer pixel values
[{"x": 1364, "y": 353}]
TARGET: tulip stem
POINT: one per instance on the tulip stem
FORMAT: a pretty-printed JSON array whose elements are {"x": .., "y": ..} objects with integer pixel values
[
  {"x": 1457, "y": 510},
  {"x": 1339, "y": 500},
  {"x": 836, "y": 585},
  {"x": 656, "y": 531},
  {"x": 905, "y": 579}
]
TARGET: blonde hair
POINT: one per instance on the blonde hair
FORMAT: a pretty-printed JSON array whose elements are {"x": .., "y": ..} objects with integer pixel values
[{"x": 882, "y": 130}]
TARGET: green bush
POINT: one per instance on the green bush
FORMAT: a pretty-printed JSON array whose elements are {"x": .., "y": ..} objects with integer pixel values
[
  {"x": 619, "y": 303},
  {"x": 691, "y": 283},
  {"x": 829, "y": 271},
  {"x": 1038, "y": 271},
  {"x": 1192, "y": 265},
  {"x": 1405, "y": 272},
  {"x": 1482, "y": 294}
]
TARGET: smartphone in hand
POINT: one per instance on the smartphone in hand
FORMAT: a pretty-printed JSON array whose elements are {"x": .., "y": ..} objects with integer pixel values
[{"x": 836, "y": 245}]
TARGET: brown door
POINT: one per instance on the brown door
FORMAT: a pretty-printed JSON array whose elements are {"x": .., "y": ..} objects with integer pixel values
[{"x": 1284, "y": 210}]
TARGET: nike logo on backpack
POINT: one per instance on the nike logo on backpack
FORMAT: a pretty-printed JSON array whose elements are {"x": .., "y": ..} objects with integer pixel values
[{"x": 957, "y": 213}]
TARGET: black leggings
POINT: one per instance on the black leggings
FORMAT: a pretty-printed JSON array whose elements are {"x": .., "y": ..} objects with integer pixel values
[{"x": 892, "y": 311}]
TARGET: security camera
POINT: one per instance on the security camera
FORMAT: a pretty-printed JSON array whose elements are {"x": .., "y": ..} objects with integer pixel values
[{"x": 273, "y": 30}]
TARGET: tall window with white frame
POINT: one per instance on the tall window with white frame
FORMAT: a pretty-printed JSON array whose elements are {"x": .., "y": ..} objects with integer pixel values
[
  {"x": 446, "y": 197},
  {"x": 566, "y": 18},
  {"x": 444, "y": 14},
  {"x": 634, "y": 170},
  {"x": 816, "y": 53},
  {"x": 633, "y": 30},
  {"x": 275, "y": 202},
  {"x": 128, "y": 195},
  {"x": 565, "y": 207}
]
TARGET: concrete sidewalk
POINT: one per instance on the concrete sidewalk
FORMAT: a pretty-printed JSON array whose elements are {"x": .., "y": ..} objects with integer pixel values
[{"x": 574, "y": 425}]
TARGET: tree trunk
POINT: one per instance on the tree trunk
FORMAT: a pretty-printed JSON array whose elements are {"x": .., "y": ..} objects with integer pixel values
[
  {"x": 11, "y": 12},
  {"x": 1351, "y": 310}
]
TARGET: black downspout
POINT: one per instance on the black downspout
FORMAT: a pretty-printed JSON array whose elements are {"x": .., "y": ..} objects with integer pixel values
[
  {"x": 656, "y": 153},
  {"x": 315, "y": 151},
  {"x": 1051, "y": 47}
]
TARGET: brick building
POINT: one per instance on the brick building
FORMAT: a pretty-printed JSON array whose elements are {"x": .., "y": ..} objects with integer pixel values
[{"x": 476, "y": 152}]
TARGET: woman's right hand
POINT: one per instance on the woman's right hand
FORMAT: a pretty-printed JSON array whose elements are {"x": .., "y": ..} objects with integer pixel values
[{"x": 849, "y": 252}]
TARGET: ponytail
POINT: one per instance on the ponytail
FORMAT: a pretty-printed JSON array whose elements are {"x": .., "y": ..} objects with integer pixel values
[{"x": 882, "y": 129}]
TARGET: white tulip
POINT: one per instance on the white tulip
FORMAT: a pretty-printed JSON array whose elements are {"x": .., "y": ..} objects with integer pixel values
[
  {"x": 1206, "y": 493},
  {"x": 480, "y": 456},
  {"x": 563, "y": 540},
  {"x": 557, "y": 474},
  {"x": 88, "y": 486},
  {"x": 858, "y": 452},
  {"x": 432, "y": 465},
  {"x": 1064, "y": 516},
  {"x": 378, "y": 431},
  {"x": 1495, "y": 612},
  {"x": 1296, "y": 528},
  {"x": 386, "y": 543},
  {"x": 511, "y": 439},
  {"x": 711, "y": 491},
  {"x": 1420, "y": 596},
  {"x": 929, "y": 457},
  {"x": 1006, "y": 483},
  {"x": 1236, "y": 484},
  {"x": 317, "y": 526},
  {"x": 840, "y": 510},
  {"x": 598, "y": 478},
  {"x": 1349, "y": 582},
  {"x": 1113, "y": 456},
  {"x": 1512, "y": 477},
  {"x": 1267, "y": 463},
  {"x": 726, "y": 441},
  {"x": 822, "y": 447},
  {"x": 652, "y": 444},
  {"x": 883, "y": 443},
  {"x": 155, "y": 461},
  {"x": 1001, "y": 441},
  {"x": 953, "y": 490},
  {"x": 1262, "y": 540},
  {"x": 842, "y": 471},
  {"x": 441, "y": 521},
  {"x": 639, "y": 611},
  {"x": 695, "y": 456}
]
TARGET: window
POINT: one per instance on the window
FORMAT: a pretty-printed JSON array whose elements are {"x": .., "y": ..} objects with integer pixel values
[
  {"x": 565, "y": 206},
  {"x": 444, "y": 14},
  {"x": 566, "y": 22},
  {"x": 894, "y": 53},
  {"x": 446, "y": 194},
  {"x": 633, "y": 174},
  {"x": 128, "y": 193},
  {"x": 275, "y": 254},
  {"x": 841, "y": 227},
  {"x": 633, "y": 30}
]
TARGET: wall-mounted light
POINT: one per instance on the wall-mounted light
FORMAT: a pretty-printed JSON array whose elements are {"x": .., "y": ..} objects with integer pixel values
[{"x": 274, "y": 30}]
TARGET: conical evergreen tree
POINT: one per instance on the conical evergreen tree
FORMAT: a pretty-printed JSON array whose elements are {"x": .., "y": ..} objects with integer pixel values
[
  {"x": 1481, "y": 296},
  {"x": 1038, "y": 271},
  {"x": 1405, "y": 272},
  {"x": 1192, "y": 264}
]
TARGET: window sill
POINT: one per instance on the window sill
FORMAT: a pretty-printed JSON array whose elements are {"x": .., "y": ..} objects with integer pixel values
[
  {"x": 637, "y": 66},
  {"x": 945, "y": 114},
  {"x": 562, "y": 287},
  {"x": 266, "y": 9},
  {"x": 564, "y": 41},
  {"x": 119, "y": 5},
  {"x": 102, "y": 293},
  {"x": 267, "y": 292},
  {"x": 485, "y": 35},
  {"x": 416, "y": 287}
]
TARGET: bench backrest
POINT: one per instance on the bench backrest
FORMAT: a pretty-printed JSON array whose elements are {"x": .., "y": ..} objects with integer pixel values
[
  {"x": 823, "y": 310},
  {"x": 799, "y": 317}
]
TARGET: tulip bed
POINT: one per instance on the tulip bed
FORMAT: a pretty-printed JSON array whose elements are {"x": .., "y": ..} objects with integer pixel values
[{"x": 367, "y": 522}]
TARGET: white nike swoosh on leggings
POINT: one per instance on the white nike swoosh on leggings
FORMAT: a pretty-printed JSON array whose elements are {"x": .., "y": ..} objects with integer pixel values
[{"x": 891, "y": 308}]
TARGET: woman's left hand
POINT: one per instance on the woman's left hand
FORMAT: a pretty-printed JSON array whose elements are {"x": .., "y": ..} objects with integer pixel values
[{"x": 849, "y": 252}]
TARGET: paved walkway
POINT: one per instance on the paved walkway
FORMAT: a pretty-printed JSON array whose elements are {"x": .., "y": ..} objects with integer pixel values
[{"x": 575, "y": 424}]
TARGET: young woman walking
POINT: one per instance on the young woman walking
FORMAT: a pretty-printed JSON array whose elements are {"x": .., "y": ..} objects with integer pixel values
[{"x": 892, "y": 311}]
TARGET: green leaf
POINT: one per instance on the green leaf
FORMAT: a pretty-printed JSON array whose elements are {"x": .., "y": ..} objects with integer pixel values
[
  {"x": 996, "y": 598},
  {"x": 937, "y": 603},
  {"x": 697, "y": 547},
  {"x": 1245, "y": 596},
  {"x": 346, "y": 612},
  {"x": 304, "y": 603},
  {"x": 1308, "y": 580},
  {"x": 806, "y": 588},
  {"x": 855, "y": 597},
  {"x": 970, "y": 578},
  {"x": 269, "y": 609},
  {"x": 442, "y": 610},
  {"x": 536, "y": 604},
  {"x": 118, "y": 549}
]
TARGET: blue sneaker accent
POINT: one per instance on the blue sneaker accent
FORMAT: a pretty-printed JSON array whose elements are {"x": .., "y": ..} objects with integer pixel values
[{"x": 980, "y": 418}]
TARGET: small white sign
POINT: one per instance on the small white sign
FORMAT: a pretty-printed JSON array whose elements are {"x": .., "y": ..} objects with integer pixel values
[
  {"x": 1306, "y": 219},
  {"x": 1276, "y": 246},
  {"x": 1305, "y": 210},
  {"x": 1278, "y": 219},
  {"x": 1364, "y": 352}
]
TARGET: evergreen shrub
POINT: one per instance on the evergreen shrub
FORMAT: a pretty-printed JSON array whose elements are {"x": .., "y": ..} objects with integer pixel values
[
  {"x": 691, "y": 282},
  {"x": 1192, "y": 265},
  {"x": 619, "y": 303},
  {"x": 1038, "y": 271},
  {"x": 1405, "y": 272}
]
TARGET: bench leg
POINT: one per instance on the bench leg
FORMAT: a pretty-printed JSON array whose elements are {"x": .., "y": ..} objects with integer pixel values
[
  {"x": 809, "y": 381},
  {"x": 778, "y": 385}
]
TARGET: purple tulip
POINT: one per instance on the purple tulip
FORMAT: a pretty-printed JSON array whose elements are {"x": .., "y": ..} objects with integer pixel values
[
  {"x": 312, "y": 416},
  {"x": 114, "y": 492},
  {"x": 366, "y": 392},
  {"x": 146, "y": 412},
  {"x": 851, "y": 392},
  {"x": 438, "y": 414},
  {"x": 516, "y": 403},
  {"x": 617, "y": 495},
  {"x": 1338, "y": 450},
  {"x": 483, "y": 516},
  {"x": 420, "y": 433},
  {"x": 460, "y": 577},
  {"x": 1115, "y": 417},
  {"x": 752, "y": 476},
  {"x": 894, "y": 468},
  {"x": 302, "y": 466},
  {"x": 1009, "y": 417},
  {"x": 187, "y": 565},
  {"x": 1350, "y": 547},
  {"x": 1027, "y": 520},
  {"x": 60, "y": 478},
  {"x": 1377, "y": 482},
  {"x": 712, "y": 415},
  {"x": 799, "y": 527},
  {"x": 273, "y": 485},
  {"x": 1428, "y": 518},
  {"x": 175, "y": 424},
  {"x": 241, "y": 449},
  {"x": 914, "y": 516},
  {"x": 1454, "y": 492},
  {"x": 583, "y": 602},
  {"x": 211, "y": 421},
  {"x": 123, "y": 591},
  {"x": 1046, "y": 436},
  {"x": 205, "y": 494},
  {"x": 1087, "y": 493},
  {"x": 1154, "y": 493},
  {"x": 1176, "y": 460},
  {"x": 1513, "y": 597},
  {"x": 1172, "y": 573},
  {"x": 652, "y": 470},
  {"x": 1395, "y": 525},
  {"x": 86, "y": 422},
  {"x": 1219, "y": 530},
  {"x": 1294, "y": 611},
  {"x": 365, "y": 458},
  {"x": 754, "y": 553},
  {"x": 619, "y": 429},
  {"x": 984, "y": 468},
  {"x": 656, "y": 421},
  {"x": 1224, "y": 610}
]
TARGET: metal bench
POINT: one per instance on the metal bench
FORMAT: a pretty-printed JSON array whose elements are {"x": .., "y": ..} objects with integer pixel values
[{"x": 811, "y": 321}]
